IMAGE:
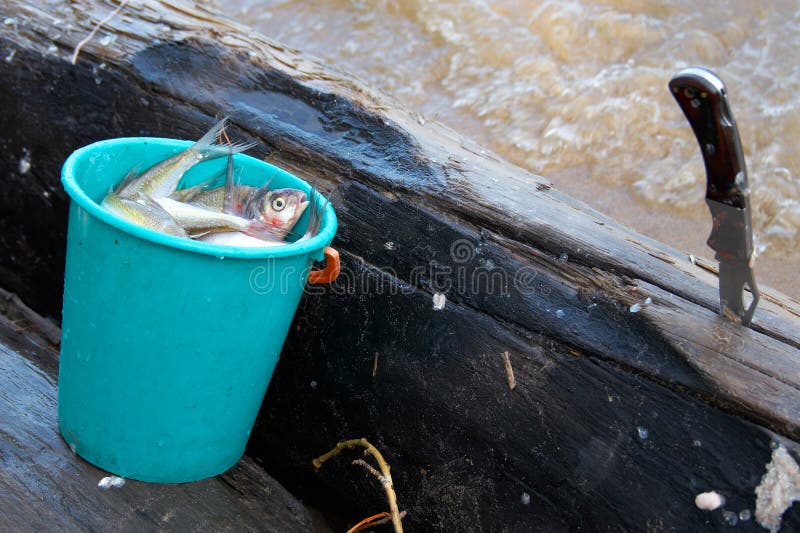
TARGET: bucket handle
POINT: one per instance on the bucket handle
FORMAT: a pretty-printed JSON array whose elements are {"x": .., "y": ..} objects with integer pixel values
[{"x": 331, "y": 270}]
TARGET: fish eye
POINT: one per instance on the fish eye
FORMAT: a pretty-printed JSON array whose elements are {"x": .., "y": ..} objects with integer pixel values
[{"x": 278, "y": 203}]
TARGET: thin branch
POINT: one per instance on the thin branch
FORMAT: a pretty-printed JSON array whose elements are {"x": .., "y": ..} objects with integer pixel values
[
  {"x": 369, "y": 521},
  {"x": 388, "y": 485},
  {"x": 371, "y": 470},
  {"x": 96, "y": 29},
  {"x": 509, "y": 371},
  {"x": 388, "y": 518}
]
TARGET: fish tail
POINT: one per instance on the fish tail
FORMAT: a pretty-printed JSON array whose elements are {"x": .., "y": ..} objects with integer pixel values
[
  {"x": 171, "y": 226},
  {"x": 209, "y": 149}
]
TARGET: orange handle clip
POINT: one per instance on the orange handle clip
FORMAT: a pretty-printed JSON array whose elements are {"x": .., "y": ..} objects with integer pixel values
[{"x": 331, "y": 270}]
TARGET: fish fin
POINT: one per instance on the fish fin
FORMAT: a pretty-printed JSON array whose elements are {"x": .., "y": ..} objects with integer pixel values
[
  {"x": 189, "y": 193},
  {"x": 229, "y": 201},
  {"x": 216, "y": 150},
  {"x": 211, "y": 136},
  {"x": 129, "y": 177},
  {"x": 316, "y": 208},
  {"x": 152, "y": 203},
  {"x": 251, "y": 199},
  {"x": 208, "y": 149}
]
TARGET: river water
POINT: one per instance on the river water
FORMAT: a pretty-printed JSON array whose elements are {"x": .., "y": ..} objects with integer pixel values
[{"x": 575, "y": 91}]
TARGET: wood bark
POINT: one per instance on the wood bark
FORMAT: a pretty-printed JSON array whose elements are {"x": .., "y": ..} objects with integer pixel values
[{"x": 526, "y": 270}]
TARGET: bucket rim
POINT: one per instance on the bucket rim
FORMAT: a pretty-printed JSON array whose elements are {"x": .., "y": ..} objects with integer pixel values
[{"x": 76, "y": 193}]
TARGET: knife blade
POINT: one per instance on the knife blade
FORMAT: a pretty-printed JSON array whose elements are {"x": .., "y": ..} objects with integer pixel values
[{"x": 702, "y": 97}]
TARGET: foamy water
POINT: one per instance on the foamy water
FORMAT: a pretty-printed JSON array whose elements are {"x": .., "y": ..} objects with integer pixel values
[{"x": 576, "y": 91}]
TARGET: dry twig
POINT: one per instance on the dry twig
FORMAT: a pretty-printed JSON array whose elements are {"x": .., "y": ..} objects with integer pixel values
[
  {"x": 95, "y": 30},
  {"x": 385, "y": 475},
  {"x": 509, "y": 371},
  {"x": 370, "y": 521}
]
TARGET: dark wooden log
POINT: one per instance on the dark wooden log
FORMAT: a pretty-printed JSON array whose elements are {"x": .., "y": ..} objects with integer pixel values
[
  {"x": 618, "y": 418},
  {"x": 45, "y": 487}
]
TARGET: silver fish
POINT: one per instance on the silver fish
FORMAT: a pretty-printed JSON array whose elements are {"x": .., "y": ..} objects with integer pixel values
[
  {"x": 278, "y": 208},
  {"x": 199, "y": 220},
  {"x": 145, "y": 213},
  {"x": 235, "y": 238},
  {"x": 161, "y": 180}
]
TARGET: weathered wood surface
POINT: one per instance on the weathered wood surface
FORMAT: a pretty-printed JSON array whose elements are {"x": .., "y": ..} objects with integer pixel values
[
  {"x": 45, "y": 487},
  {"x": 597, "y": 446},
  {"x": 525, "y": 268}
]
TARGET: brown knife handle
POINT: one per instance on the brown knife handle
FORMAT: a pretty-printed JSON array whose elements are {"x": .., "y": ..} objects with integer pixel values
[{"x": 701, "y": 96}]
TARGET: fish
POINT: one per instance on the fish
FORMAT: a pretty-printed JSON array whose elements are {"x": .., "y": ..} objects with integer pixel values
[
  {"x": 232, "y": 214},
  {"x": 281, "y": 208},
  {"x": 199, "y": 220},
  {"x": 161, "y": 180},
  {"x": 145, "y": 213},
  {"x": 278, "y": 208},
  {"x": 234, "y": 238}
]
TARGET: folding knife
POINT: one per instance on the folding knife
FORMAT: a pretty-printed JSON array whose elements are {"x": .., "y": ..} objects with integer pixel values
[{"x": 701, "y": 95}]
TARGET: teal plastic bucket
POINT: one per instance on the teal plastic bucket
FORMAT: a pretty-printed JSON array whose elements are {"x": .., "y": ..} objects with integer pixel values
[{"x": 168, "y": 344}]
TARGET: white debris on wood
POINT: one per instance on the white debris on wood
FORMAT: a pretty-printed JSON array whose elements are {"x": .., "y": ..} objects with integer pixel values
[
  {"x": 10, "y": 56},
  {"x": 525, "y": 499},
  {"x": 389, "y": 245},
  {"x": 648, "y": 301},
  {"x": 643, "y": 432},
  {"x": 25, "y": 162},
  {"x": 559, "y": 313},
  {"x": 708, "y": 501},
  {"x": 635, "y": 308},
  {"x": 778, "y": 489},
  {"x": 109, "y": 482},
  {"x": 730, "y": 518},
  {"x": 439, "y": 299}
]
